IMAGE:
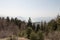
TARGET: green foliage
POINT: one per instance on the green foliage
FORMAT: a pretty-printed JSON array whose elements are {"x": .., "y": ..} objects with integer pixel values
[
  {"x": 37, "y": 36},
  {"x": 12, "y": 19},
  {"x": 58, "y": 19},
  {"x": 42, "y": 27},
  {"x": 34, "y": 27},
  {"x": 40, "y": 35},
  {"x": 12, "y": 38},
  {"x": 37, "y": 28},
  {"x": 29, "y": 24},
  {"x": 7, "y": 19},
  {"x": 22, "y": 33},
  {"x": 28, "y": 31},
  {"x": 33, "y": 36},
  {"x": 58, "y": 22},
  {"x": 17, "y": 22},
  {"x": 53, "y": 25}
]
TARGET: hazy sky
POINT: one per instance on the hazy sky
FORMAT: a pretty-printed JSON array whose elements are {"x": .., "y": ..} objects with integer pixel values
[{"x": 29, "y": 8}]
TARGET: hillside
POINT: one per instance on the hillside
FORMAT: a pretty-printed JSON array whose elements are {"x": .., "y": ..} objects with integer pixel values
[{"x": 15, "y": 28}]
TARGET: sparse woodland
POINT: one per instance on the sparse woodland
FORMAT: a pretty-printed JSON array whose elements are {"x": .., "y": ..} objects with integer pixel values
[{"x": 18, "y": 28}]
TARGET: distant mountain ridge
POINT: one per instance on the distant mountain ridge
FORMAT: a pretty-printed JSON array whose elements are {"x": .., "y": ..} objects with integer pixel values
[{"x": 38, "y": 19}]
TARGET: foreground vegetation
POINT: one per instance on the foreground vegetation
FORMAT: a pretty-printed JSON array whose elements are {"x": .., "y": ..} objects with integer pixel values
[{"x": 14, "y": 28}]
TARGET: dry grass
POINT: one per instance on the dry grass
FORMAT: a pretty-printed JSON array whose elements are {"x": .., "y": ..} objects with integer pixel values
[{"x": 20, "y": 38}]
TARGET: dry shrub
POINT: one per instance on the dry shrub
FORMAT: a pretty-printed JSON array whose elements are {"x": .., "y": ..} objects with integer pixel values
[
  {"x": 12, "y": 38},
  {"x": 54, "y": 35}
]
